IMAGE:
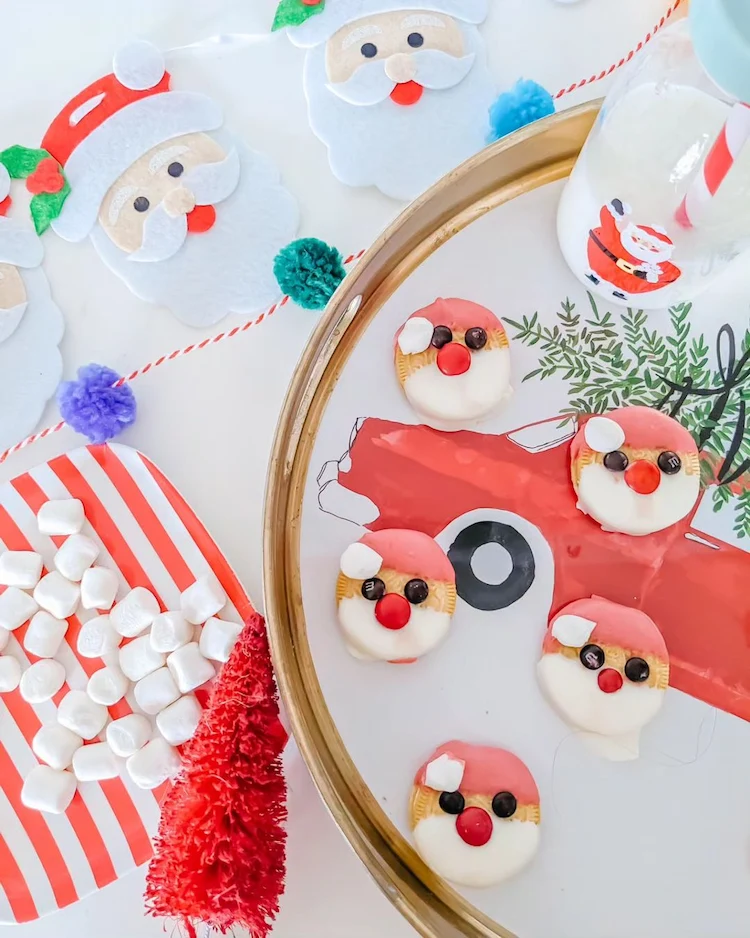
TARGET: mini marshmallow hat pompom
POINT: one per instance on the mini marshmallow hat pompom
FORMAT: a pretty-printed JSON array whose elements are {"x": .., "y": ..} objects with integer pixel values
[
  {"x": 94, "y": 406},
  {"x": 139, "y": 65},
  {"x": 309, "y": 271}
]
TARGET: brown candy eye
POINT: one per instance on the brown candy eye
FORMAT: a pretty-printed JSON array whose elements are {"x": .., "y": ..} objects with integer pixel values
[
  {"x": 669, "y": 463},
  {"x": 441, "y": 336},
  {"x": 416, "y": 591},
  {"x": 504, "y": 804},
  {"x": 373, "y": 589},
  {"x": 592, "y": 657},
  {"x": 616, "y": 461},
  {"x": 476, "y": 338},
  {"x": 637, "y": 670},
  {"x": 452, "y": 802}
]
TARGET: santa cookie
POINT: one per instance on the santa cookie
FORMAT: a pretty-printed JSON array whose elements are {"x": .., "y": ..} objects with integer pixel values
[
  {"x": 475, "y": 815},
  {"x": 453, "y": 362},
  {"x": 396, "y": 594},
  {"x": 635, "y": 470},
  {"x": 605, "y": 669}
]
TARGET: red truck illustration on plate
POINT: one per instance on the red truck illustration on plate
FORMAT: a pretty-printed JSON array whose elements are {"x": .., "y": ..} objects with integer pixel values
[{"x": 690, "y": 581}]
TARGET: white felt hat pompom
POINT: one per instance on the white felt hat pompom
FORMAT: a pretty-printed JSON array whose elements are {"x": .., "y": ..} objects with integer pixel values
[
  {"x": 360, "y": 562},
  {"x": 572, "y": 631},
  {"x": 603, "y": 434},
  {"x": 4, "y": 183},
  {"x": 139, "y": 65},
  {"x": 445, "y": 773}
]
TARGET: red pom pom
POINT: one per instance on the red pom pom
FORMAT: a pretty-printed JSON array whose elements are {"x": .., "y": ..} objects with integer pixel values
[
  {"x": 46, "y": 178},
  {"x": 220, "y": 852}
]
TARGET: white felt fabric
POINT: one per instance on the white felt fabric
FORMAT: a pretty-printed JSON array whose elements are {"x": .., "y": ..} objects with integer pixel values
[
  {"x": 97, "y": 638},
  {"x": 401, "y": 150},
  {"x": 139, "y": 65},
  {"x": 55, "y": 745},
  {"x": 30, "y": 361},
  {"x": 134, "y": 613},
  {"x": 58, "y": 595},
  {"x": 16, "y": 607},
  {"x": 229, "y": 268},
  {"x": 98, "y": 588},
  {"x": 138, "y": 658},
  {"x": 76, "y": 555},
  {"x": 42, "y": 680},
  {"x": 218, "y": 638},
  {"x": 179, "y": 721},
  {"x": 573, "y": 631},
  {"x": 156, "y": 691},
  {"x": 95, "y": 763},
  {"x": 19, "y": 244},
  {"x": 60, "y": 517},
  {"x": 189, "y": 668},
  {"x": 44, "y": 635},
  {"x": 10, "y": 674},
  {"x": 20, "y": 568},
  {"x": 128, "y": 734},
  {"x": 154, "y": 764},
  {"x": 78, "y": 713},
  {"x": 337, "y": 13},
  {"x": 360, "y": 562},
  {"x": 107, "y": 686},
  {"x": 203, "y": 599},
  {"x": 45, "y": 789},
  {"x": 5, "y": 182},
  {"x": 444, "y": 773}
]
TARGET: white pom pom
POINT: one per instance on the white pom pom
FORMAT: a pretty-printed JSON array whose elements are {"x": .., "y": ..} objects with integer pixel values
[
  {"x": 572, "y": 631},
  {"x": 416, "y": 335},
  {"x": 603, "y": 434},
  {"x": 4, "y": 182},
  {"x": 360, "y": 562},
  {"x": 139, "y": 65}
]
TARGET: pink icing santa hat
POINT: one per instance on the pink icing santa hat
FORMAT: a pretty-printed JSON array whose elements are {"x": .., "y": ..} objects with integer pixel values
[
  {"x": 409, "y": 552},
  {"x": 637, "y": 427},
  {"x": 334, "y": 14},
  {"x": 479, "y": 770},
  {"x": 459, "y": 314},
  {"x": 599, "y": 621},
  {"x": 112, "y": 123}
]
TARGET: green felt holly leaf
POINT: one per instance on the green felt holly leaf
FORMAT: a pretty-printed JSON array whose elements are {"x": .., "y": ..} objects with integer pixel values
[
  {"x": 46, "y": 207},
  {"x": 294, "y": 13},
  {"x": 22, "y": 161}
]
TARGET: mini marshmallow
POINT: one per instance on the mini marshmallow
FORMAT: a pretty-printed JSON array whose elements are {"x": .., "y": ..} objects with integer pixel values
[
  {"x": 44, "y": 635},
  {"x": 94, "y": 763},
  {"x": 572, "y": 631},
  {"x": 45, "y": 789},
  {"x": 445, "y": 773},
  {"x": 42, "y": 680},
  {"x": 78, "y": 713},
  {"x": 60, "y": 517},
  {"x": 4, "y": 638},
  {"x": 16, "y": 607},
  {"x": 135, "y": 612},
  {"x": 360, "y": 562},
  {"x": 107, "y": 686},
  {"x": 128, "y": 734},
  {"x": 55, "y": 745},
  {"x": 98, "y": 588},
  {"x": 154, "y": 764},
  {"x": 170, "y": 631},
  {"x": 21, "y": 568},
  {"x": 179, "y": 721},
  {"x": 603, "y": 434},
  {"x": 75, "y": 556},
  {"x": 189, "y": 668},
  {"x": 10, "y": 674},
  {"x": 416, "y": 335},
  {"x": 203, "y": 599},
  {"x": 157, "y": 691},
  {"x": 218, "y": 639},
  {"x": 57, "y": 595},
  {"x": 138, "y": 658},
  {"x": 97, "y": 638}
]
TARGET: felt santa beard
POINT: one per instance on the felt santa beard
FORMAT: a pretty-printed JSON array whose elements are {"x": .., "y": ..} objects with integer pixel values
[
  {"x": 609, "y": 500},
  {"x": 10, "y": 320},
  {"x": 510, "y": 848},
  {"x": 228, "y": 268},
  {"x": 367, "y": 638},
  {"x": 401, "y": 149},
  {"x": 574, "y": 691},
  {"x": 453, "y": 400}
]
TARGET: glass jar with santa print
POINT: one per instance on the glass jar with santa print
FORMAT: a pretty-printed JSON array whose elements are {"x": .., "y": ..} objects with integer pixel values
[{"x": 658, "y": 204}]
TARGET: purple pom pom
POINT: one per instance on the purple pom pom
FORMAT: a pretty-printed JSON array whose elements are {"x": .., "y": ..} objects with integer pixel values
[{"x": 93, "y": 407}]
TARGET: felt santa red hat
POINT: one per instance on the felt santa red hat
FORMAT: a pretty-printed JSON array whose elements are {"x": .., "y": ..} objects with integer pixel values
[
  {"x": 409, "y": 552},
  {"x": 636, "y": 427},
  {"x": 112, "y": 123},
  {"x": 599, "y": 621},
  {"x": 314, "y": 21},
  {"x": 479, "y": 770}
]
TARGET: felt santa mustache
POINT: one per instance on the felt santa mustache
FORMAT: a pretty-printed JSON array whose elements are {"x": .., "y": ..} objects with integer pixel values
[
  {"x": 635, "y": 471},
  {"x": 474, "y": 813},
  {"x": 166, "y": 227},
  {"x": 453, "y": 362},
  {"x": 396, "y": 594},
  {"x": 605, "y": 669},
  {"x": 431, "y": 68}
]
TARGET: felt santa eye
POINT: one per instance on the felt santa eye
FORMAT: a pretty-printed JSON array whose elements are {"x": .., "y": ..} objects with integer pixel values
[
  {"x": 474, "y": 813},
  {"x": 396, "y": 594},
  {"x": 605, "y": 669},
  {"x": 453, "y": 362},
  {"x": 635, "y": 470}
]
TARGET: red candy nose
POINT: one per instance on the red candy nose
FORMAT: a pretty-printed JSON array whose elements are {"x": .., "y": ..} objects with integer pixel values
[
  {"x": 643, "y": 477},
  {"x": 454, "y": 359},
  {"x": 474, "y": 826},
  {"x": 392, "y": 611},
  {"x": 609, "y": 680}
]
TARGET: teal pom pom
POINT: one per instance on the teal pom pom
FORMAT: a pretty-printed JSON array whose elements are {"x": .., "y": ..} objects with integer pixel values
[
  {"x": 309, "y": 271},
  {"x": 526, "y": 102}
]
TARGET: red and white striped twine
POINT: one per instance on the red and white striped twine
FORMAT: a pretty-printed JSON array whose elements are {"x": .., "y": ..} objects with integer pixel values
[
  {"x": 623, "y": 61},
  {"x": 178, "y": 353}
]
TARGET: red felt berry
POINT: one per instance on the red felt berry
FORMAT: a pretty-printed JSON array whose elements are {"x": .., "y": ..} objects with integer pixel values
[{"x": 46, "y": 178}]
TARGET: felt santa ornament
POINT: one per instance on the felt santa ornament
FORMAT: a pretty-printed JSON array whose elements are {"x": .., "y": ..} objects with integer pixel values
[
  {"x": 396, "y": 594},
  {"x": 474, "y": 812},
  {"x": 635, "y": 470},
  {"x": 44, "y": 179},
  {"x": 453, "y": 362},
  {"x": 605, "y": 669}
]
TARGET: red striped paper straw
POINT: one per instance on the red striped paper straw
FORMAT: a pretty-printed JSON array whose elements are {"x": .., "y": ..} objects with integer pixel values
[{"x": 733, "y": 137}]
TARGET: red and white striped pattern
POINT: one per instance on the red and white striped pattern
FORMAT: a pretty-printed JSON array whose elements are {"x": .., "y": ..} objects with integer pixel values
[
  {"x": 733, "y": 137},
  {"x": 148, "y": 533}
]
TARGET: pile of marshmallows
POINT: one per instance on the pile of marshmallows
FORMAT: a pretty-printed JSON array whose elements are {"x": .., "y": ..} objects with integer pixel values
[{"x": 166, "y": 656}]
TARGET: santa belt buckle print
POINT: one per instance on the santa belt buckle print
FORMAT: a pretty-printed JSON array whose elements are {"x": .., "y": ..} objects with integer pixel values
[{"x": 619, "y": 262}]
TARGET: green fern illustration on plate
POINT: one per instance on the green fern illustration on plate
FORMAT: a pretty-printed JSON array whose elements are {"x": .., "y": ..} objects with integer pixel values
[{"x": 615, "y": 362}]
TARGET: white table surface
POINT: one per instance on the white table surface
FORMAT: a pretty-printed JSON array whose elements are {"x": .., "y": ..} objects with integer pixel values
[{"x": 208, "y": 419}]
